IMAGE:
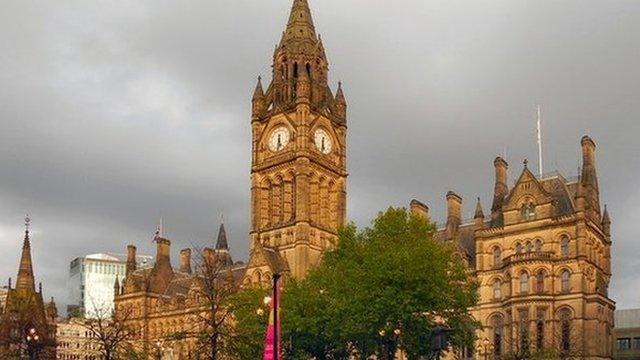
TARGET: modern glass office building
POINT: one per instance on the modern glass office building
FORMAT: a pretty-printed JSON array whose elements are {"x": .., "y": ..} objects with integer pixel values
[{"x": 91, "y": 280}]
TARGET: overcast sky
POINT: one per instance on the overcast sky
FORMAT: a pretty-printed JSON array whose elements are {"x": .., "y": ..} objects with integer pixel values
[{"x": 113, "y": 113}]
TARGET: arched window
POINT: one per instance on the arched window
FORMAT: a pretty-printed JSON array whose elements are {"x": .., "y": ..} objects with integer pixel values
[
  {"x": 528, "y": 212},
  {"x": 540, "y": 330},
  {"x": 497, "y": 257},
  {"x": 564, "y": 246},
  {"x": 518, "y": 248},
  {"x": 538, "y": 245},
  {"x": 497, "y": 335},
  {"x": 540, "y": 282},
  {"x": 565, "y": 331},
  {"x": 565, "y": 276},
  {"x": 524, "y": 282},
  {"x": 529, "y": 246},
  {"x": 497, "y": 289}
]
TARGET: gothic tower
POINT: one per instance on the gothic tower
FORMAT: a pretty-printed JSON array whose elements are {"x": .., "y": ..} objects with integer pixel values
[{"x": 298, "y": 170}]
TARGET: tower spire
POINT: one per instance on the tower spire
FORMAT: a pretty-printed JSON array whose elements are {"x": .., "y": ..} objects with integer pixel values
[
  {"x": 222, "y": 243},
  {"x": 300, "y": 25},
  {"x": 25, "y": 271}
]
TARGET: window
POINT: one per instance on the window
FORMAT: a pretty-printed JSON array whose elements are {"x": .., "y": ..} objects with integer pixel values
[
  {"x": 518, "y": 248},
  {"x": 565, "y": 276},
  {"x": 529, "y": 246},
  {"x": 524, "y": 283},
  {"x": 497, "y": 289},
  {"x": 528, "y": 212},
  {"x": 564, "y": 246},
  {"x": 540, "y": 282},
  {"x": 540, "y": 333},
  {"x": 565, "y": 328},
  {"x": 636, "y": 343},
  {"x": 497, "y": 257},
  {"x": 524, "y": 332},
  {"x": 497, "y": 335},
  {"x": 623, "y": 343},
  {"x": 538, "y": 246}
]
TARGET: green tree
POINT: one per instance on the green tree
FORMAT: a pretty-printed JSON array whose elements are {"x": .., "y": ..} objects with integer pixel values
[
  {"x": 382, "y": 289},
  {"x": 250, "y": 319}
]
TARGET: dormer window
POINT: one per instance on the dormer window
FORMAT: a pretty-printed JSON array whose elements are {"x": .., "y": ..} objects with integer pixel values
[{"x": 528, "y": 212}]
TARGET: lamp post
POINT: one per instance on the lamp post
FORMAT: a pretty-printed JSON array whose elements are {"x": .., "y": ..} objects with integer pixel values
[
  {"x": 33, "y": 339},
  {"x": 276, "y": 320},
  {"x": 485, "y": 349}
]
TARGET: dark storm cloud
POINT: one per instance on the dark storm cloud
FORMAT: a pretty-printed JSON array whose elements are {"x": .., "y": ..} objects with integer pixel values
[{"x": 114, "y": 114}]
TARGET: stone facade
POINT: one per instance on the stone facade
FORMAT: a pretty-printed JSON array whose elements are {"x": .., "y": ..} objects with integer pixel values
[
  {"x": 27, "y": 322},
  {"x": 542, "y": 261},
  {"x": 75, "y": 342}
]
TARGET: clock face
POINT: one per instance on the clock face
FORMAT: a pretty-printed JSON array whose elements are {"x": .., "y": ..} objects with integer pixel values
[
  {"x": 279, "y": 139},
  {"x": 323, "y": 141}
]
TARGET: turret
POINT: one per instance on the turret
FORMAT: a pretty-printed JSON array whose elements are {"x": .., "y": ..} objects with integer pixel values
[
  {"x": 258, "y": 100},
  {"x": 479, "y": 216},
  {"x": 454, "y": 214},
  {"x": 162, "y": 272},
  {"x": 222, "y": 247},
  {"x": 340, "y": 103},
  {"x": 500, "y": 191},
  {"x": 131, "y": 259}
]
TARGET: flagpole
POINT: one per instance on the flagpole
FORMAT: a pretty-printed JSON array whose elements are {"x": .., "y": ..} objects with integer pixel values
[{"x": 539, "y": 141}]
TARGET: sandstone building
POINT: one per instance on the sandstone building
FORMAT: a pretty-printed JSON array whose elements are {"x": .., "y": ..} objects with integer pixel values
[
  {"x": 27, "y": 322},
  {"x": 542, "y": 259},
  {"x": 541, "y": 255}
]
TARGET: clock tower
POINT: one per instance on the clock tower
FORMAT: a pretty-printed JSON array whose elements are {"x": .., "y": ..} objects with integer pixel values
[{"x": 298, "y": 167}]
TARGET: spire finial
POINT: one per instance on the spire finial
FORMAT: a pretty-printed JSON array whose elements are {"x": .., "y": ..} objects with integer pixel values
[
  {"x": 27, "y": 224},
  {"x": 525, "y": 162}
]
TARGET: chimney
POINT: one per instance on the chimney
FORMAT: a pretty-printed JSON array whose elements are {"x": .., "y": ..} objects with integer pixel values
[
  {"x": 131, "y": 259},
  {"x": 500, "y": 190},
  {"x": 589, "y": 162},
  {"x": 163, "y": 251},
  {"x": 209, "y": 257},
  {"x": 185, "y": 261},
  {"x": 420, "y": 209},
  {"x": 454, "y": 214}
]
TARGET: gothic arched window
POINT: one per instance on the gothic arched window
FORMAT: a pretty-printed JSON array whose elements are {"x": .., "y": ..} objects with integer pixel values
[
  {"x": 497, "y": 289},
  {"x": 565, "y": 331},
  {"x": 529, "y": 246},
  {"x": 565, "y": 276},
  {"x": 524, "y": 282},
  {"x": 497, "y": 323},
  {"x": 497, "y": 257},
  {"x": 538, "y": 246},
  {"x": 564, "y": 246},
  {"x": 518, "y": 248},
  {"x": 540, "y": 281}
]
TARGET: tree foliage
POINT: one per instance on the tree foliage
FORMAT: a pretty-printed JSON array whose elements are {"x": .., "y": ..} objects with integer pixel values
[{"x": 382, "y": 289}]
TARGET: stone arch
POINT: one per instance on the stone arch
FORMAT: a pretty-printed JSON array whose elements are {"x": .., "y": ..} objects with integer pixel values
[
  {"x": 324, "y": 201},
  {"x": 265, "y": 202},
  {"x": 496, "y": 255},
  {"x": 333, "y": 205},
  {"x": 314, "y": 198},
  {"x": 524, "y": 281}
]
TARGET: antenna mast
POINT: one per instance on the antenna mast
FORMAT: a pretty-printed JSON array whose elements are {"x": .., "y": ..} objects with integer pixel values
[{"x": 539, "y": 126}]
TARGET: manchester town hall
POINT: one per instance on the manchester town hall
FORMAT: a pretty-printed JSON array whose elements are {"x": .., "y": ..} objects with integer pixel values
[{"x": 540, "y": 253}]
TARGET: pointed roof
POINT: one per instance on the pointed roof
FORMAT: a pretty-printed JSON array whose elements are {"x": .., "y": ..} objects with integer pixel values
[
  {"x": 479, "y": 213},
  {"x": 222, "y": 244},
  {"x": 340, "y": 94},
  {"x": 300, "y": 25},
  {"x": 25, "y": 271},
  {"x": 258, "y": 92}
]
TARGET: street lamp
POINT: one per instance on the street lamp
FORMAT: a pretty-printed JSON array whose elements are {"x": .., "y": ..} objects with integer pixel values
[
  {"x": 33, "y": 339},
  {"x": 485, "y": 349}
]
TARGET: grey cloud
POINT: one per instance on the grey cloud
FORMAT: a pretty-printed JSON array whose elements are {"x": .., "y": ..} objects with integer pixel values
[{"x": 116, "y": 113}]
